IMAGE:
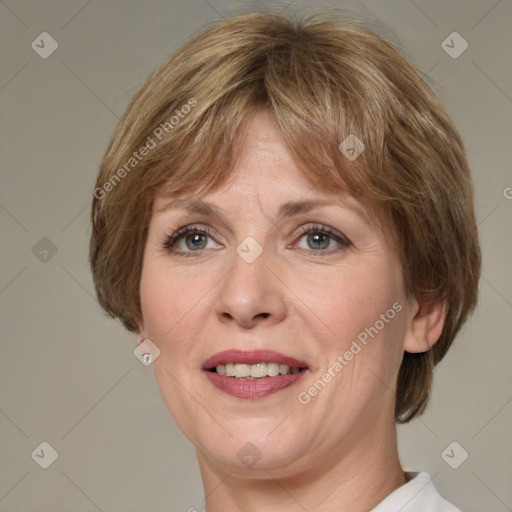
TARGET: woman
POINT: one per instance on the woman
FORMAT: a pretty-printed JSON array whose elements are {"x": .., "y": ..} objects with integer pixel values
[{"x": 285, "y": 217}]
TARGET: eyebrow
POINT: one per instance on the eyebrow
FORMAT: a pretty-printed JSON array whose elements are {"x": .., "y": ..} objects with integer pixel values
[{"x": 288, "y": 209}]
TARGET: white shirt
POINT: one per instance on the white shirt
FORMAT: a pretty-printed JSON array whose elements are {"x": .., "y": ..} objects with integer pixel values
[{"x": 417, "y": 495}]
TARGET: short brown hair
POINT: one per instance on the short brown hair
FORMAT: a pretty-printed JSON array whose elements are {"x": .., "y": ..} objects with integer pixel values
[{"x": 322, "y": 79}]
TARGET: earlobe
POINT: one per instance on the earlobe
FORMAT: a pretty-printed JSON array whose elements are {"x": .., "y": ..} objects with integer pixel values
[{"x": 425, "y": 328}]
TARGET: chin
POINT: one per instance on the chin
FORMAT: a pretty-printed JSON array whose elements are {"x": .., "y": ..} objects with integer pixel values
[{"x": 253, "y": 444}]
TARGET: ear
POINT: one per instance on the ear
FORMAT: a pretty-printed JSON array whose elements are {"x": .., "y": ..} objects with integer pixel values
[
  {"x": 425, "y": 327},
  {"x": 141, "y": 332},
  {"x": 142, "y": 343}
]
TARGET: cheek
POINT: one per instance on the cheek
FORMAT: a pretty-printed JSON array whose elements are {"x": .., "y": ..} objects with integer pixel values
[
  {"x": 366, "y": 313},
  {"x": 360, "y": 316},
  {"x": 172, "y": 304},
  {"x": 350, "y": 299},
  {"x": 159, "y": 305}
]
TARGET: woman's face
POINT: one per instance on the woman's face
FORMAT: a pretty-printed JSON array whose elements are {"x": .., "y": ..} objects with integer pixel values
[{"x": 315, "y": 286}]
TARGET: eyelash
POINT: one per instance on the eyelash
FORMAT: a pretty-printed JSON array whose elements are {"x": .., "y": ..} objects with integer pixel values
[
  {"x": 175, "y": 237},
  {"x": 171, "y": 240}
]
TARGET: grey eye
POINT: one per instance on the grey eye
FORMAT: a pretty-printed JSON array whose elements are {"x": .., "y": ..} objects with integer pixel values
[
  {"x": 318, "y": 241},
  {"x": 196, "y": 241}
]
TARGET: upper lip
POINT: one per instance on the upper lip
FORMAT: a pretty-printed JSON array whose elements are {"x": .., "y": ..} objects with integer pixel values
[{"x": 251, "y": 357}]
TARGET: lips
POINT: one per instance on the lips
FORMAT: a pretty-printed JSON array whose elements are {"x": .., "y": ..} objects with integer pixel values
[
  {"x": 251, "y": 357},
  {"x": 252, "y": 388}
]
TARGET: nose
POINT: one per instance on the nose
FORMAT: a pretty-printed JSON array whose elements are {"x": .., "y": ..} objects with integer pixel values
[{"x": 251, "y": 294}]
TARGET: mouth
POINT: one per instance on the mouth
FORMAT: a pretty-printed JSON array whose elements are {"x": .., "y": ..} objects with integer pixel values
[
  {"x": 255, "y": 371},
  {"x": 254, "y": 374}
]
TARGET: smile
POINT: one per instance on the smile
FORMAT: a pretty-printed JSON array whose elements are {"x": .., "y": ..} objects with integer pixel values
[
  {"x": 254, "y": 374},
  {"x": 255, "y": 371}
]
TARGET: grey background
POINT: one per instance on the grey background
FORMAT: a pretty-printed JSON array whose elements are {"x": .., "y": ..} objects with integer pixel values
[{"x": 69, "y": 376}]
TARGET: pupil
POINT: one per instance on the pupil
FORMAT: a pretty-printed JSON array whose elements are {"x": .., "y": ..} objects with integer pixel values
[
  {"x": 319, "y": 238},
  {"x": 196, "y": 241}
]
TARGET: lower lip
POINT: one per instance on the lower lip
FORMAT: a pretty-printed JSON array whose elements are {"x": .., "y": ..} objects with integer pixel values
[{"x": 255, "y": 388}]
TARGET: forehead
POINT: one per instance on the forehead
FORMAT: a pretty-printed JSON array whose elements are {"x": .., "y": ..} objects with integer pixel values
[
  {"x": 266, "y": 174},
  {"x": 263, "y": 160},
  {"x": 262, "y": 167}
]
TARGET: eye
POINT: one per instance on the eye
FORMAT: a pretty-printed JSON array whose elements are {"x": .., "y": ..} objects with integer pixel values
[
  {"x": 321, "y": 238},
  {"x": 194, "y": 239},
  {"x": 189, "y": 239}
]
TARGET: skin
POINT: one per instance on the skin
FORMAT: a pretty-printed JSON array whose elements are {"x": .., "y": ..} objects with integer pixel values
[{"x": 339, "y": 451}]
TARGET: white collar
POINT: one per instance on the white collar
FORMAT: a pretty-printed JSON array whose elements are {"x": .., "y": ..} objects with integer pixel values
[{"x": 417, "y": 495}]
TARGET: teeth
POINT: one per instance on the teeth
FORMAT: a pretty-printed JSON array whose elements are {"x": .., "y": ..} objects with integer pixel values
[
  {"x": 255, "y": 371},
  {"x": 284, "y": 369},
  {"x": 242, "y": 370},
  {"x": 272, "y": 369},
  {"x": 258, "y": 370}
]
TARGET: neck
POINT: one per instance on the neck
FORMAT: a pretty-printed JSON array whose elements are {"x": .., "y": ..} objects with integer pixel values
[{"x": 355, "y": 476}]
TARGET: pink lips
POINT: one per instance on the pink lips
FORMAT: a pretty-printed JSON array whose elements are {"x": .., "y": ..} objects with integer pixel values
[
  {"x": 251, "y": 357},
  {"x": 257, "y": 388}
]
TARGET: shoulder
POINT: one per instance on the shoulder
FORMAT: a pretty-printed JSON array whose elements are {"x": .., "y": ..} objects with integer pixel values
[{"x": 417, "y": 495}]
